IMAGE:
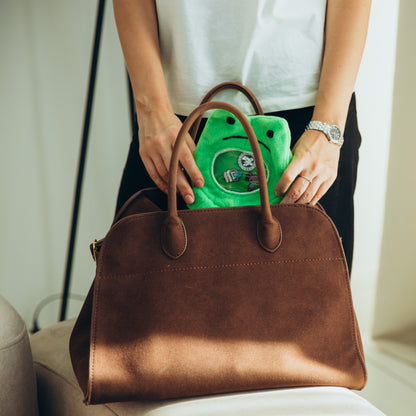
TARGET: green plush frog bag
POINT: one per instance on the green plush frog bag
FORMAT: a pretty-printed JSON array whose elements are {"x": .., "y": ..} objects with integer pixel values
[{"x": 224, "y": 157}]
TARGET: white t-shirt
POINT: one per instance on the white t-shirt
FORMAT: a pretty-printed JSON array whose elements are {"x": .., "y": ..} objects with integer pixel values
[{"x": 274, "y": 47}]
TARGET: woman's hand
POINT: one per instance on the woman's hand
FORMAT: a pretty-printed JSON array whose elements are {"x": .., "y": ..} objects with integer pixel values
[
  {"x": 157, "y": 134},
  {"x": 312, "y": 171},
  {"x": 137, "y": 27},
  {"x": 314, "y": 158}
]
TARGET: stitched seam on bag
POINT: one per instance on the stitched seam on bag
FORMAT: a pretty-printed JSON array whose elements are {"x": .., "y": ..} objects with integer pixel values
[
  {"x": 221, "y": 266},
  {"x": 354, "y": 327},
  {"x": 128, "y": 219},
  {"x": 93, "y": 343},
  {"x": 179, "y": 253},
  {"x": 354, "y": 323}
]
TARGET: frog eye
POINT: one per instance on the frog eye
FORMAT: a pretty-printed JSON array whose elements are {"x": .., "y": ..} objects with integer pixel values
[
  {"x": 230, "y": 120},
  {"x": 270, "y": 133}
]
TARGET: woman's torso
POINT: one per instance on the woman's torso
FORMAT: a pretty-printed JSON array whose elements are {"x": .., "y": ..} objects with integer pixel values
[{"x": 274, "y": 47}]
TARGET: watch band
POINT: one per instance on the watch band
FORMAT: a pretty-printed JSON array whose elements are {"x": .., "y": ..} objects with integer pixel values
[{"x": 332, "y": 131}]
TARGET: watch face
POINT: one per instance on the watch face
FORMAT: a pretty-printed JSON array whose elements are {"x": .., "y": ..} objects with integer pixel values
[{"x": 335, "y": 133}]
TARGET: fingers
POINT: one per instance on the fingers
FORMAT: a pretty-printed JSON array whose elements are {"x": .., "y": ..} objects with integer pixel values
[
  {"x": 153, "y": 172},
  {"x": 188, "y": 163},
  {"x": 157, "y": 166},
  {"x": 184, "y": 188},
  {"x": 311, "y": 188},
  {"x": 311, "y": 172},
  {"x": 302, "y": 191},
  {"x": 189, "y": 166},
  {"x": 296, "y": 183},
  {"x": 288, "y": 177},
  {"x": 305, "y": 190},
  {"x": 156, "y": 153},
  {"x": 321, "y": 192}
]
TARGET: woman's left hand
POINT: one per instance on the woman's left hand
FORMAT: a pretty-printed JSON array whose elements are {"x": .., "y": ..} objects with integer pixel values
[{"x": 311, "y": 172}]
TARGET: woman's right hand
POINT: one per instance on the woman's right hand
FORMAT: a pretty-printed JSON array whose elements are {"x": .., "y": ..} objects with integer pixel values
[
  {"x": 137, "y": 26},
  {"x": 157, "y": 134}
]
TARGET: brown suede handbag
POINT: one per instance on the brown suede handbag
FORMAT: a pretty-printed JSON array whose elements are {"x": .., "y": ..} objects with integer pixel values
[{"x": 204, "y": 301}]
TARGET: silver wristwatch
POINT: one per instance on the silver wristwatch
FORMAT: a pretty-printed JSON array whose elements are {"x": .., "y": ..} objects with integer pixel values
[{"x": 332, "y": 132}]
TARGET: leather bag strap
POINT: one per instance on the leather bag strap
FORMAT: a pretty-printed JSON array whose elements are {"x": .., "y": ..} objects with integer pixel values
[
  {"x": 226, "y": 86},
  {"x": 234, "y": 86},
  {"x": 174, "y": 237}
]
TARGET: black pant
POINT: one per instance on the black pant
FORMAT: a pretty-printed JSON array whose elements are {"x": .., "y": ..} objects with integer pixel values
[{"x": 338, "y": 201}]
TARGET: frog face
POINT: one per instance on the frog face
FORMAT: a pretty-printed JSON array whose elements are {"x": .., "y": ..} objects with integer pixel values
[{"x": 224, "y": 157}]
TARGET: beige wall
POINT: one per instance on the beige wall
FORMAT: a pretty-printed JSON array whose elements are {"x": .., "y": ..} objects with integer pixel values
[
  {"x": 45, "y": 54},
  {"x": 374, "y": 106},
  {"x": 396, "y": 294}
]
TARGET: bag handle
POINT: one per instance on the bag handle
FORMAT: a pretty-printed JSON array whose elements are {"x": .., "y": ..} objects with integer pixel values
[
  {"x": 174, "y": 237},
  {"x": 226, "y": 86}
]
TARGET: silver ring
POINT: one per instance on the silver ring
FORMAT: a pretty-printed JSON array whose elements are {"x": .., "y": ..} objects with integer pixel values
[{"x": 304, "y": 177}]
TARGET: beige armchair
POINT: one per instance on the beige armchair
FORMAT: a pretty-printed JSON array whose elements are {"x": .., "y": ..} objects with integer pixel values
[{"x": 17, "y": 378}]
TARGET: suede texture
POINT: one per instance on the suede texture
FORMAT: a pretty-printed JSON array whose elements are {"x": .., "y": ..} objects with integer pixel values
[{"x": 225, "y": 316}]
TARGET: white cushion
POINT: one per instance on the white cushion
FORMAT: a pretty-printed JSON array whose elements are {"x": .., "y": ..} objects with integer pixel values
[{"x": 59, "y": 393}]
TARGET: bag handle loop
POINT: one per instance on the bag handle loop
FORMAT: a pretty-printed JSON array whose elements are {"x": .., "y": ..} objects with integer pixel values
[
  {"x": 226, "y": 86},
  {"x": 174, "y": 238}
]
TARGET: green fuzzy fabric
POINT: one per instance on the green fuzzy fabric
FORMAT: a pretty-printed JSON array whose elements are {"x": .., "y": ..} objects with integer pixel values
[{"x": 224, "y": 156}]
